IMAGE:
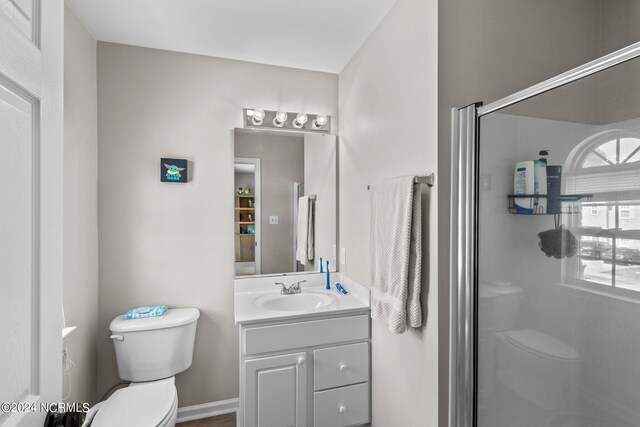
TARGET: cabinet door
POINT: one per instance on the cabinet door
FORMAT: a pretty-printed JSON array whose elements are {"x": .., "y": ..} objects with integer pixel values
[{"x": 275, "y": 393}]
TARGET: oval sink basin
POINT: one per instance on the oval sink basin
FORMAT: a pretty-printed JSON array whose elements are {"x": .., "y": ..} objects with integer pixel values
[{"x": 309, "y": 300}]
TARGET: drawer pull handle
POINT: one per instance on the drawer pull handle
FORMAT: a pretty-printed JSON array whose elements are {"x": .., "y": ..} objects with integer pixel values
[
  {"x": 342, "y": 367},
  {"x": 342, "y": 409},
  {"x": 301, "y": 361}
]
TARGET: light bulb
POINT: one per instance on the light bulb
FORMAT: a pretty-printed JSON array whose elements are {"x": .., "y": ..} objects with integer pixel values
[
  {"x": 301, "y": 118},
  {"x": 299, "y": 121},
  {"x": 258, "y": 117},
  {"x": 279, "y": 119},
  {"x": 319, "y": 121}
]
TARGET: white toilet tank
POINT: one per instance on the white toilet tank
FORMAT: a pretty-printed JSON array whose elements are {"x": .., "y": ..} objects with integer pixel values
[
  {"x": 500, "y": 301},
  {"x": 153, "y": 348}
]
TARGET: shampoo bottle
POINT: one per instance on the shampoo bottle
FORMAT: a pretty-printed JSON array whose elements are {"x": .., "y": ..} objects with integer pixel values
[
  {"x": 554, "y": 183},
  {"x": 540, "y": 185},
  {"x": 524, "y": 183}
]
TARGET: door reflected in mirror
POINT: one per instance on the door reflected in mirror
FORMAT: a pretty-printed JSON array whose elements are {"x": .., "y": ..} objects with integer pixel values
[{"x": 284, "y": 201}]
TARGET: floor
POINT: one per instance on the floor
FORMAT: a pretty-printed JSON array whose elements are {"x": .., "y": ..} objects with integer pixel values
[{"x": 228, "y": 420}]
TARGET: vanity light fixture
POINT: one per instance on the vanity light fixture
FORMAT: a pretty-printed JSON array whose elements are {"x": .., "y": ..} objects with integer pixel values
[
  {"x": 279, "y": 119},
  {"x": 319, "y": 121},
  {"x": 257, "y": 118},
  {"x": 283, "y": 120},
  {"x": 300, "y": 120}
]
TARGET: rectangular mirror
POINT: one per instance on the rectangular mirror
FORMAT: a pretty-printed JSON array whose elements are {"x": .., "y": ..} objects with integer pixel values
[{"x": 285, "y": 201}]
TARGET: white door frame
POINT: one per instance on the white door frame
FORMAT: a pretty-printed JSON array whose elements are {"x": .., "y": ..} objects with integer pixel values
[
  {"x": 258, "y": 206},
  {"x": 31, "y": 73}
]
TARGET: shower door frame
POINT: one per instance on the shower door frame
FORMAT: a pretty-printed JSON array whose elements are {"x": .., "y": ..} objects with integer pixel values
[{"x": 463, "y": 274}]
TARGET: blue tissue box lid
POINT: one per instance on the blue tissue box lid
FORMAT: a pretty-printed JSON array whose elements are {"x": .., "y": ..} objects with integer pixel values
[{"x": 136, "y": 313}]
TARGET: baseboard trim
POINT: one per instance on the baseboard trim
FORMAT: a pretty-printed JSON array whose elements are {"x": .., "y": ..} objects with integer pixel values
[{"x": 206, "y": 410}]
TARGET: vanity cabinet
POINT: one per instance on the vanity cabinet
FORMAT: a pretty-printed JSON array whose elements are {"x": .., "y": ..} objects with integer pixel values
[{"x": 306, "y": 373}]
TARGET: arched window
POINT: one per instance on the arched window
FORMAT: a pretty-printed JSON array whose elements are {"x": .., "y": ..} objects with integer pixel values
[
  {"x": 608, "y": 148},
  {"x": 607, "y": 165}
]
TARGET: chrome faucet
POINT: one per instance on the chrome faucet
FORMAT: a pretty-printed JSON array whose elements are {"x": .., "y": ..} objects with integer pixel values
[{"x": 293, "y": 289}]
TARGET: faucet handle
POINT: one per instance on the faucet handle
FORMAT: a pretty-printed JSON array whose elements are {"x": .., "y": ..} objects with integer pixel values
[
  {"x": 284, "y": 287},
  {"x": 296, "y": 286}
]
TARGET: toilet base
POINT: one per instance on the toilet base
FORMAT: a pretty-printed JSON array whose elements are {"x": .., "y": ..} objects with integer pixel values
[
  {"x": 153, "y": 403},
  {"x": 539, "y": 378},
  {"x": 542, "y": 392},
  {"x": 171, "y": 422}
]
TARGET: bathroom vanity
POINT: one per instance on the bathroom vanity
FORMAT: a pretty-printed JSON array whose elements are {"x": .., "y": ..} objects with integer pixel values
[{"x": 304, "y": 358}]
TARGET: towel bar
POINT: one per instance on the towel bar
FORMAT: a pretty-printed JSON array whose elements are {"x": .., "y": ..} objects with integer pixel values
[{"x": 429, "y": 180}]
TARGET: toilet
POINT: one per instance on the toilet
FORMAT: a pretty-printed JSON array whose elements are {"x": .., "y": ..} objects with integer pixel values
[
  {"x": 149, "y": 353},
  {"x": 535, "y": 365}
]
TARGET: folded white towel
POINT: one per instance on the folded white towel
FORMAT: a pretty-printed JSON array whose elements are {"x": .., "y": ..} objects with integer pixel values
[
  {"x": 305, "y": 233},
  {"x": 396, "y": 253}
]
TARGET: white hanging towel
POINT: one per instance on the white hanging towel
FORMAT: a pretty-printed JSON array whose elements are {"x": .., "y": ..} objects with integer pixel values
[
  {"x": 396, "y": 253},
  {"x": 305, "y": 233}
]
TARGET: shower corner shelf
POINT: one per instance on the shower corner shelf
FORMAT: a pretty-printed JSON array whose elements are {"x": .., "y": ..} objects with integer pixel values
[{"x": 568, "y": 203}]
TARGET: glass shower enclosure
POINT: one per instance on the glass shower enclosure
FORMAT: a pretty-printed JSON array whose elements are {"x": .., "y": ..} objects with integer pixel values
[{"x": 546, "y": 253}]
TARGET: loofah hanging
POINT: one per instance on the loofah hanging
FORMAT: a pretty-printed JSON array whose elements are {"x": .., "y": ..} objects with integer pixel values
[{"x": 558, "y": 243}]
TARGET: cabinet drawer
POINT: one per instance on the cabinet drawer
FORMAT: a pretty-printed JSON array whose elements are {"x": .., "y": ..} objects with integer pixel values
[
  {"x": 264, "y": 339},
  {"x": 339, "y": 366},
  {"x": 340, "y": 407}
]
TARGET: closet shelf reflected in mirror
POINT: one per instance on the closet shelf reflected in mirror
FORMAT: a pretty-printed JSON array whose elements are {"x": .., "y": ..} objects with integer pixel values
[
  {"x": 245, "y": 217},
  {"x": 245, "y": 210}
]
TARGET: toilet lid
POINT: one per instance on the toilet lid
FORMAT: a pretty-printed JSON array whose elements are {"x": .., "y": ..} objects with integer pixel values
[
  {"x": 142, "y": 405},
  {"x": 537, "y": 342}
]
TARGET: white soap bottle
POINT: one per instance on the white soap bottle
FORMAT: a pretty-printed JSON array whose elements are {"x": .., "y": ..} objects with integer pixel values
[{"x": 524, "y": 183}]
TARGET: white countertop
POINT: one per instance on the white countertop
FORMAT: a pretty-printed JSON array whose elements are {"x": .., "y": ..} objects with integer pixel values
[{"x": 248, "y": 290}]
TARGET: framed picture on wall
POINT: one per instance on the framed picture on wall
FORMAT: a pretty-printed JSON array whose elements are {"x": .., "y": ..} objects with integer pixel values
[{"x": 173, "y": 170}]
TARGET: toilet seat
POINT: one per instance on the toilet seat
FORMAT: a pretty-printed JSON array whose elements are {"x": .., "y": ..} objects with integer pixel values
[
  {"x": 151, "y": 404},
  {"x": 541, "y": 345}
]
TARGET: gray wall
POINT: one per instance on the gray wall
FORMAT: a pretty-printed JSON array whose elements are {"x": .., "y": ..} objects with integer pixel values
[
  {"x": 80, "y": 207},
  {"x": 619, "y": 27},
  {"x": 281, "y": 164},
  {"x": 173, "y": 243},
  {"x": 388, "y": 128}
]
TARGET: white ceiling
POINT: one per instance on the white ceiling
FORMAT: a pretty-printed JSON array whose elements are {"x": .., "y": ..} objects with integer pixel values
[{"x": 317, "y": 35}]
